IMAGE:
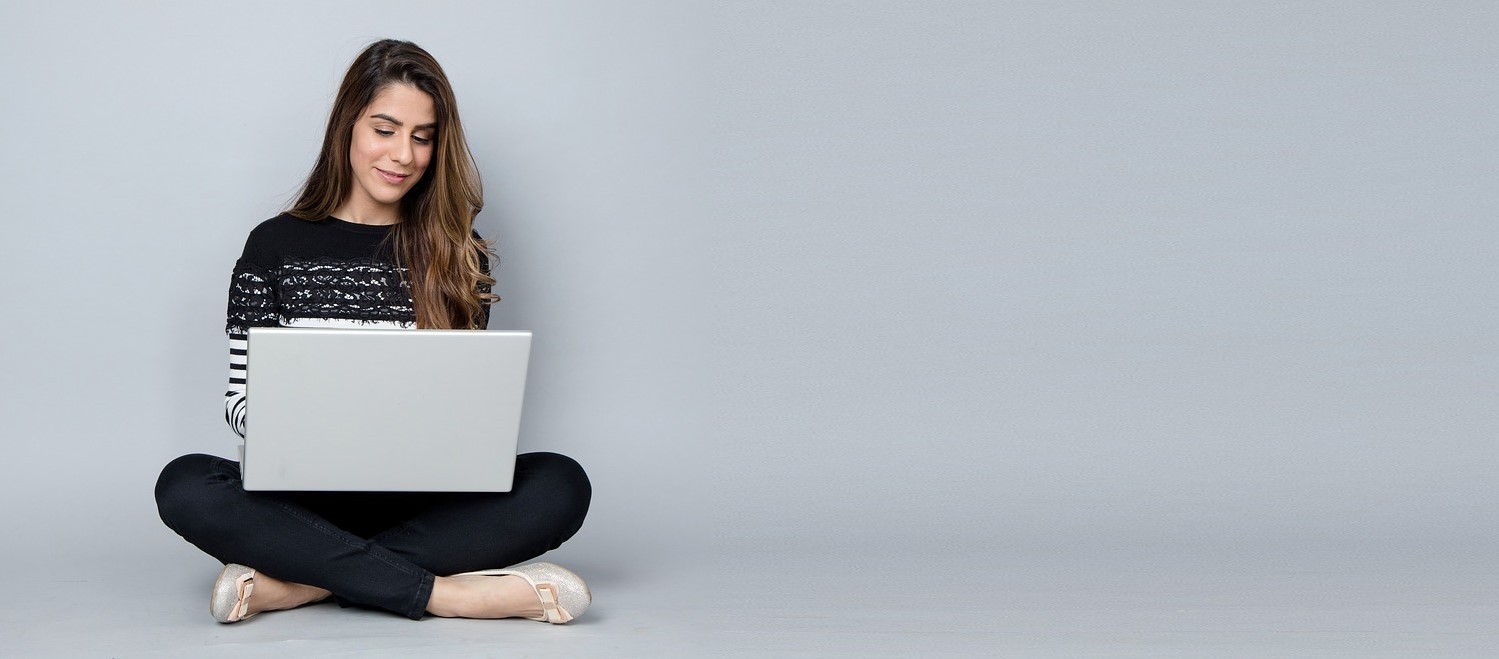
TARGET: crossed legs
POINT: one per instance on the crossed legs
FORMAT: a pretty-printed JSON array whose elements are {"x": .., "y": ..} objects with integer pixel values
[{"x": 383, "y": 550}]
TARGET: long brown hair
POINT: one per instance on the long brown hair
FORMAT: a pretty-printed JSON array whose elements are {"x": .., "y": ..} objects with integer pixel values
[{"x": 434, "y": 240}]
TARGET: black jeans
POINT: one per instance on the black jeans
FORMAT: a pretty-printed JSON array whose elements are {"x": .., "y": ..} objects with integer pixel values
[{"x": 379, "y": 549}]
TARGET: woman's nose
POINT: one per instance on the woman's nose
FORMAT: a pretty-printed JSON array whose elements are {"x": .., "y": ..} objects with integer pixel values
[{"x": 401, "y": 153}]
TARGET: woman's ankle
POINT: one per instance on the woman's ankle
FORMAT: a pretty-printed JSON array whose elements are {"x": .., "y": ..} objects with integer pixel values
[
  {"x": 272, "y": 594},
  {"x": 476, "y": 596}
]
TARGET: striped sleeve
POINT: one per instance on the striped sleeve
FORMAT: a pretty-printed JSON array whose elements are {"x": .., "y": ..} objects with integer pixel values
[
  {"x": 234, "y": 399},
  {"x": 252, "y": 303}
]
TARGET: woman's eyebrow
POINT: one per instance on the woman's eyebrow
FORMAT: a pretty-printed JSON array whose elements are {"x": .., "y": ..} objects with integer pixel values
[{"x": 382, "y": 115}]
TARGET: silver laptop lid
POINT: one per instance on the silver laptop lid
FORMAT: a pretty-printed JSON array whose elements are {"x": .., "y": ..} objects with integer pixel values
[{"x": 383, "y": 409}]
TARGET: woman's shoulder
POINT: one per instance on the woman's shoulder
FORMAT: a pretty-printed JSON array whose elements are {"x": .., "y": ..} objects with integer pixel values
[
  {"x": 271, "y": 238},
  {"x": 279, "y": 227}
]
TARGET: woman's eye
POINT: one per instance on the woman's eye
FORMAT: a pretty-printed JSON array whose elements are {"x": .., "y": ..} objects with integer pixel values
[
  {"x": 422, "y": 140},
  {"x": 384, "y": 133}
]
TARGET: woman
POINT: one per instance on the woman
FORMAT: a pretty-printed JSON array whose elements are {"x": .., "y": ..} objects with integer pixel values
[{"x": 381, "y": 236}]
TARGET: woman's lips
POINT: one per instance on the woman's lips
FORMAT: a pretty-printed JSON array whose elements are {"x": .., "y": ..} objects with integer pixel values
[{"x": 392, "y": 177}]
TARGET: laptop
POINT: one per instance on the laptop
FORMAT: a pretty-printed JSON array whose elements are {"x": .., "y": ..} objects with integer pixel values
[{"x": 387, "y": 410}]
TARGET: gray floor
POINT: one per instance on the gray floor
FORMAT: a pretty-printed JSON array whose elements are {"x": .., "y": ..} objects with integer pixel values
[{"x": 808, "y": 603}]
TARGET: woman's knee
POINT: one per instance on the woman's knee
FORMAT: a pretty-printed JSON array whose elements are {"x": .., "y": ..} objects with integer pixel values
[
  {"x": 179, "y": 489},
  {"x": 564, "y": 479}
]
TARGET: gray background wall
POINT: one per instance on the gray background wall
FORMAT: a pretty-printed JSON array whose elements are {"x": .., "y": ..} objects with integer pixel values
[{"x": 1154, "y": 282}]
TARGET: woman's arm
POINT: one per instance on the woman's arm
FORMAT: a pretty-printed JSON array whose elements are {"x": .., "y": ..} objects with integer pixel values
[
  {"x": 252, "y": 303},
  {"x": 234, "y": 399}
]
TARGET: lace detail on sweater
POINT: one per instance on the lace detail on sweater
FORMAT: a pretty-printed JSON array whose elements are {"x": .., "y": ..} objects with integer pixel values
[
  {"x": 252, "y": 300},
  {"x": 368, "y": 291},
  {"x": 363, "y": 291}
]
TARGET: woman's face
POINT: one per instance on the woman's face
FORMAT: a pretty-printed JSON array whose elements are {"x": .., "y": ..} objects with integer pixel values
[{"x": 390, "y": 148}]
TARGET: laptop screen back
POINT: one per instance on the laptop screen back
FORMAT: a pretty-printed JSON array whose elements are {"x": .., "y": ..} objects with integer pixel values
[{"x": 383, "y": 409}]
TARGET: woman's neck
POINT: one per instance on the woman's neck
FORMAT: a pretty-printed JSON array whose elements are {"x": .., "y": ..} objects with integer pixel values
[{"x": 376, "y": 216}]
